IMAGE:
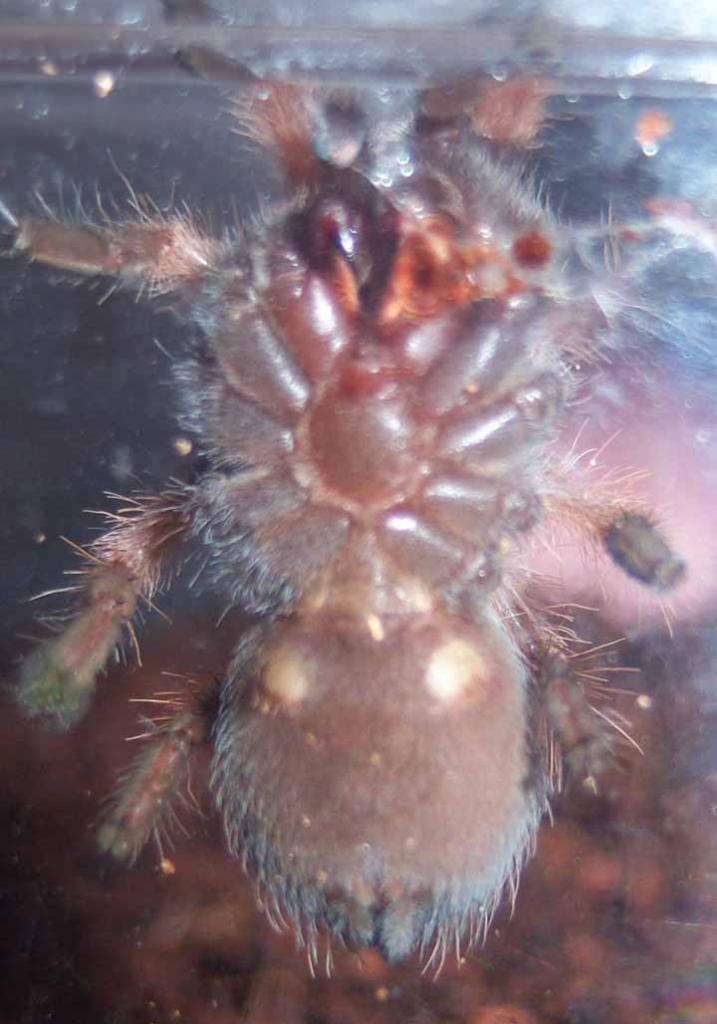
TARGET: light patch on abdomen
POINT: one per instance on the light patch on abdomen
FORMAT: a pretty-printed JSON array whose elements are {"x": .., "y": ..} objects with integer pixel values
[
  {"x": 456, "y": 669},
  {"x": 285, "y": 677}
]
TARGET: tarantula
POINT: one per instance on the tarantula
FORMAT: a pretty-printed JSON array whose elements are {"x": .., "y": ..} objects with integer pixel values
[{"x": 376, "y": 375}]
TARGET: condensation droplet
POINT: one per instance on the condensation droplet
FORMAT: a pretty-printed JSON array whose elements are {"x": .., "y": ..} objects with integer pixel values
[
  {"x": 39, "y": 109},
  {"x": 381, "y": 179},
  {"x": 131, "y": 16},
  {"x": 639, "y": 64},
  {"x": 103, "y": 84},
  {"x": 182, "y": 445}
]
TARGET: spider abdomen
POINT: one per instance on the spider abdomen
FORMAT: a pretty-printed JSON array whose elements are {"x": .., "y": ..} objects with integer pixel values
[{"x": 378, "y": 779}]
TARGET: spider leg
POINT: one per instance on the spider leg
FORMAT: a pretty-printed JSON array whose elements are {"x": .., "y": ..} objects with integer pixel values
[
  {"x": 509, "y": 113},
  {"x": 151, "y": 250},
  {"x": 276, "y": 994},
  {"x": 57, "y": 680},
  {"x": 584, "y": 737},
  {"x": 143, "y": 802},
  {"x": 213, "y": 66},
  {"x": 631, "y": 537}
]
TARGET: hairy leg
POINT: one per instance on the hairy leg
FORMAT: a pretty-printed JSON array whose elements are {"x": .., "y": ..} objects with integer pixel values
[
  {"x": 629, "y": 535},
  {"x": 152, "y": 250},
  {"x": 57, "y": 680},
  {"x": 144, "y": 800},
  {"x": 583, "y": 734}
]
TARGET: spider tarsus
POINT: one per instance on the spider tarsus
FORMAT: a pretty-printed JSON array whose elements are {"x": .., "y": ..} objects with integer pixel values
[
  {"x": 587, "y": 745},
  {"x": 274, "y": 995},
  {"x": 637, "y": 546},
  {"x": 57, "y": 680},
  {"x": 510, "y": 112},
  {"x": 48, "y": 690},
  {"x": 144, "y": 799},
  {"x": 629, "y": 535},
  {"x": 113, "y": 838}
]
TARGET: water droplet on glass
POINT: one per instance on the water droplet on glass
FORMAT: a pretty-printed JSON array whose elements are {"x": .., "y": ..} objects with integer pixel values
[
  {"x": 103, "y": 84},
  {"x": 38, "y": 109},
  {"x": 382, "y": 179},
  {"x": 131, "y": 16},
  {"x": 639, "y": 64}
]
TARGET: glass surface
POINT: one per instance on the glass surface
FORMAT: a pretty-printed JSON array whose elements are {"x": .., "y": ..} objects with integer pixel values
[{"x": 615, "y": 921}]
